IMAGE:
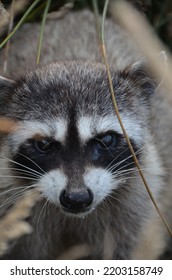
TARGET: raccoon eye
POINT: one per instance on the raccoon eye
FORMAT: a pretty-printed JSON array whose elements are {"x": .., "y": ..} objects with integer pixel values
[
  {"x": 44, "y": 145},
  {"x": 107, "y": 141}
]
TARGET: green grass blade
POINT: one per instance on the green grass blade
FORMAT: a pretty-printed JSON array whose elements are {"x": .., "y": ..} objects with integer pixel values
[{"x": 42, "y": 31}]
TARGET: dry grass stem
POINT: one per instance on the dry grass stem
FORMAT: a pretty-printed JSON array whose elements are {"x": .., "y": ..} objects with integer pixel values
[
  {"x": 147, "y": 41},
  {"x": 118, "y": 115},
  {"x": 13, "y": 225}
]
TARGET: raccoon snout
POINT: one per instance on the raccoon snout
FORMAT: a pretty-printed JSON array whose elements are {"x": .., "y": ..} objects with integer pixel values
[{"x": 76, "y": 201}]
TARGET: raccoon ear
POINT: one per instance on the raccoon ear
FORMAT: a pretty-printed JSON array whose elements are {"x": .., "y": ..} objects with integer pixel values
[
  {"x": 139, "y": 73},
  {"x": 6, "y": 85}
]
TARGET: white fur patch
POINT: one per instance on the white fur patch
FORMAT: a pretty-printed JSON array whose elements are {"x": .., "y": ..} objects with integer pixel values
[
  {"x": 101, "y": 183},
  {"x": 51, "y": 184},
  {"x": 85, "y": 128},
  {"x": 57, "y": 129},
  {"x": 98, "y": 180},
  {"x": 89, "y": 127},
  {"x": 60, "y": 128}
]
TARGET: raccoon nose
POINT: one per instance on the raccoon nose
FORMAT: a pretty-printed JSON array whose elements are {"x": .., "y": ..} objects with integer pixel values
[{"x": 76, "y": 201}]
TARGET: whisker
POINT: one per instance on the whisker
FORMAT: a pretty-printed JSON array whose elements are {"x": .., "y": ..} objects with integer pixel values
[
  {"x": 128, "y": 171},
  {"x": 17, "y": 163},
  {"x": 118, "y": 163},
  {"x": 17, "y": 177},
  {"x": 132, "y": 177},
  {"x": 123, "y": 172},
  {"x": 20, "y": 170},
  {"x": 10, "y": 190},
  {"x": 38, "y": 220},
  {"x": 105, "y": 147},
  {"x": 116, "y": 157},
  {"x": 122, "y": 168},
  {"x": 15, "y": 196},
  {"x": 12, "y": 199},
  {"x": 32, "y": 162},
  {"x": 110, "y": 197}
]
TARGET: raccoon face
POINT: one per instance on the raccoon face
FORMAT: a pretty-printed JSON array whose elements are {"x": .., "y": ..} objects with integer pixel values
[{"x": 69, "y": 144}]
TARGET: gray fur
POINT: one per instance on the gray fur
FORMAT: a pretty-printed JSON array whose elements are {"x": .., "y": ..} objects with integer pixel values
[{"x": 81, "y": 86}]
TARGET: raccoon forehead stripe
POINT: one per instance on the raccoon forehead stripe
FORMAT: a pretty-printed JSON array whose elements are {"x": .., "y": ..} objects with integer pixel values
[
  {"x": 89, "y": 127},
  {"x": 57, "y": 129}
]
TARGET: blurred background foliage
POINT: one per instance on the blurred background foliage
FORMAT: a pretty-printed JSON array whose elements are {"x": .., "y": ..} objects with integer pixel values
[{"x": 158, "y": 12}]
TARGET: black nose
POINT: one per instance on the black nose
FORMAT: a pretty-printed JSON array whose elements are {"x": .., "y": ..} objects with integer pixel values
[{"x": 76, "y": 201}]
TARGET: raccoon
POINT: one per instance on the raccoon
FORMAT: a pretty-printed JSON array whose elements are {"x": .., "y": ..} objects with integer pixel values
[{"x": 70, "y": 147}]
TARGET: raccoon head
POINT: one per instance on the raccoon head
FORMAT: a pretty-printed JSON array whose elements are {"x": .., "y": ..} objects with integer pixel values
[{"x": 69, "y": 144}]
